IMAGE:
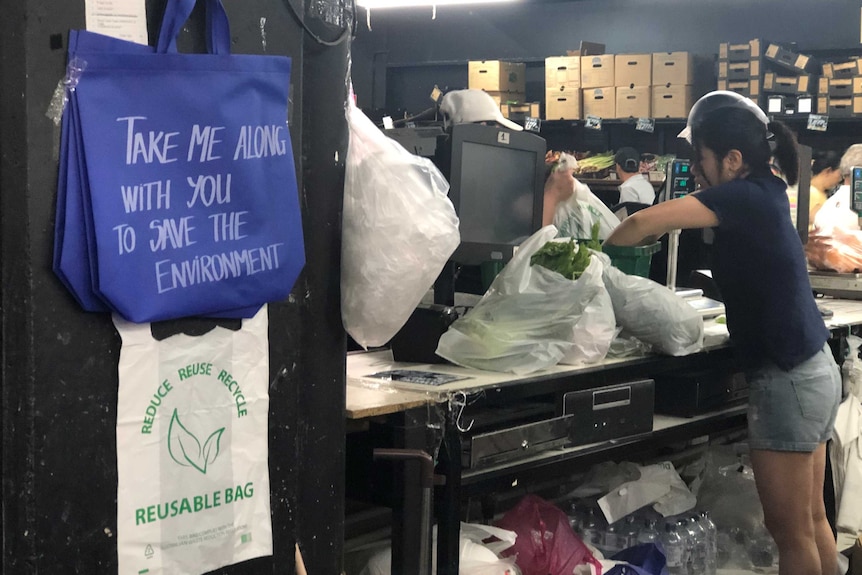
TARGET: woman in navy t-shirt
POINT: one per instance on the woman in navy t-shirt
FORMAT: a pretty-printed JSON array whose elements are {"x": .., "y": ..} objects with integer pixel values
[{"x": 775, "y": 326}]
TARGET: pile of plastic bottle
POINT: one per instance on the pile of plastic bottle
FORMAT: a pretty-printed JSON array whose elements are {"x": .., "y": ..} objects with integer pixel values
[{"x": 691, "y": 542}]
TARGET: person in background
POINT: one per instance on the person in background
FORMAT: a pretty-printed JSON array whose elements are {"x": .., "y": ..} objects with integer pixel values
[
  {"x": 825, "y": 175},
  {"x": 775, "y": 326},
  {"x": 635, "y": 186},
  {"x": 838, "y": 209},
  {"x": 569, "y": 204}
]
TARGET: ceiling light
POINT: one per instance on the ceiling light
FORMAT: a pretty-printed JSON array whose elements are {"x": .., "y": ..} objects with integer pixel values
[{"x": 375, "y": 4}]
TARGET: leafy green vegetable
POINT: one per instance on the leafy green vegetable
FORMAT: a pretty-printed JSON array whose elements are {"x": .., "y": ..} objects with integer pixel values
[{"x": 565, "y": 258}]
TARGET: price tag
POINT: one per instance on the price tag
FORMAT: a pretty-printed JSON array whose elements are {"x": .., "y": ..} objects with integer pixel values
[
  {"x": 593, "y": 123},
  {"x": 532, "y": 124},
  {"x": 818, "y": 123},
  {"x": 388, "y": 124},
  {"x": 436, "y": 93},
  {"x": 646, "y": 125}
]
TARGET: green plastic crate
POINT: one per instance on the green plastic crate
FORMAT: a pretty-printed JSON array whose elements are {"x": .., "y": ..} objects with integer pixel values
[{"x": 633, "y": 260}]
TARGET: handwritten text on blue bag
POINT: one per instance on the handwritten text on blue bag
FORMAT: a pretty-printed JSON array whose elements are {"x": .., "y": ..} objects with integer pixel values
[{"x": 205, "y": 144}]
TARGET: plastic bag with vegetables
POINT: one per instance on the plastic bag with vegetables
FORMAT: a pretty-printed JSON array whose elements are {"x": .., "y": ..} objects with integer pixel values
[{"x": 530, "y": 318}]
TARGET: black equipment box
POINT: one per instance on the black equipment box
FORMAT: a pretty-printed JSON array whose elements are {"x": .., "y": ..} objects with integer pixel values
[
  {"x": 605, "y": 413},
  {"x": 692, "y": 393},
  {"x": 416, "y": 341}
]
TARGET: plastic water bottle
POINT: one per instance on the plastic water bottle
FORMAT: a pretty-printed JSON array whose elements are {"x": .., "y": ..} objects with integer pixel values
[
  {"x": 631, "y": 532},
  {"x": 711, "y": 542},
  {"x": 649, "y": 533},
  {"x": 576, "y": 517},
  {"x": 688, "y": 545},
  {"x": 591, "y": 530},
  {"x": 698, "y": 563},
  {"x": 615, "y": 539},
  {"x": 674, "y": 549}
]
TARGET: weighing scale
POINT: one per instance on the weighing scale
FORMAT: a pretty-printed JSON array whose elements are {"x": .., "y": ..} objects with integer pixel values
[{"x": 680, "y": 183}]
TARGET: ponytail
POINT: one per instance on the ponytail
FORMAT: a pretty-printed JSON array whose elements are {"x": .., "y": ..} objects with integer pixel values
[{"x": 786, "y": 153}]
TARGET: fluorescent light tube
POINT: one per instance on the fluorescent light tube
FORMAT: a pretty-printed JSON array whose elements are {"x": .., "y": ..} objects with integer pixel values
[{"x": 375, "y": 4}]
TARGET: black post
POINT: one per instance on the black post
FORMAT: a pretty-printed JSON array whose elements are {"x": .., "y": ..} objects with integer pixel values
[{"x": 59, "y": 373}]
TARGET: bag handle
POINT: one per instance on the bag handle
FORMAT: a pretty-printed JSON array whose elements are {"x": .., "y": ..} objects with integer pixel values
[{"x": 177, "y": 12}]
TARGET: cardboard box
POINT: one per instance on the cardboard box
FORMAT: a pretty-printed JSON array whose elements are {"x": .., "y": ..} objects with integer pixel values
[
  {"x": 634, "y": 102},
  {"x": 840, "y": 87},
  {"x": 562, "y": 71},
  {"x": 508, "y": 97},
  {"x": 786, "y": 58},
  {"x": 600, "y": 102},
  {"x": 842, "y": 107},
  {"x": 597, "y": 71},
  {"x": 672, "y": 101},
  {"x": 749, "y": 88},
  {"x": 823, "y": 105},
  {"x": 739, "y": 52},
  {"x": 800, "y": 84},
  {"x": 560, "y": 106},
  {"x": 633, "y": 70},
  {"x": 843, "y": 69},
  {"x": 497, "y": 76},
  {"x": 739, "y": 70},
  {"x": 525, "y": 110},
  {"x": 669, "y": 68}
]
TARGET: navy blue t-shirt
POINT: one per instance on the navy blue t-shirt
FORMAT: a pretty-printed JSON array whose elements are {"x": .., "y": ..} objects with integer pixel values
[{"x": 759, "y": 267}]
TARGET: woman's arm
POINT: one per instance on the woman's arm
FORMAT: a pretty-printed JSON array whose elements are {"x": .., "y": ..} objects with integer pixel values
[{"x": 653, "y": 222}]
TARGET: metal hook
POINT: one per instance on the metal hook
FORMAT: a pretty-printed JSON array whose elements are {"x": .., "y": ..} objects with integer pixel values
[{"x": 458, "y": 401}]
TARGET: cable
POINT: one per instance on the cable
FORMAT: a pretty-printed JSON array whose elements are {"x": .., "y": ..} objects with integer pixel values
[{"x": 348, "y": 32}]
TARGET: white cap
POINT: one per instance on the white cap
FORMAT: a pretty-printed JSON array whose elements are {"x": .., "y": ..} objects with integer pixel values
[
  {"x": 467, "y": 106},
  {"x": 715, "y": 100}
]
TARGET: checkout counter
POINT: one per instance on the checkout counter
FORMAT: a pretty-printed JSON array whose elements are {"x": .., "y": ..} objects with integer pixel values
[{"x": 450, "y": 411}]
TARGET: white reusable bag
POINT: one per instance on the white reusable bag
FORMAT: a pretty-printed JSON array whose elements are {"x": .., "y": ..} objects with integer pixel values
[{"x": 192, "y": 454}]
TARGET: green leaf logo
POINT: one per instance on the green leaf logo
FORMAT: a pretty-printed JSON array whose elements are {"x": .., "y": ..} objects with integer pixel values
[{"x": 185, "y": 448}]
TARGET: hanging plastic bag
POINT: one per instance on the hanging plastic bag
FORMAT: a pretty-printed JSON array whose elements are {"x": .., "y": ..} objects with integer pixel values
[
  {"x": 399, "y": 229},
  {"x": 575, "y": 217},
  {"x": 546, "y": 543},
  {"x": 654, "y": 314},
  {"x": 836, "y": 249},
  {"x": 525, "y": 321}
]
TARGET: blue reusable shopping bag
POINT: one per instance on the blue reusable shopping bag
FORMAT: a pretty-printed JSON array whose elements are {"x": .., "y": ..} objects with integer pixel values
[{"x": 187, "y": 177}]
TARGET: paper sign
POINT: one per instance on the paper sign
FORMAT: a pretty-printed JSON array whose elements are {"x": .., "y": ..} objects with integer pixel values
[
  {"x": 593, "y": 123},
  {"x": 192, "y": 430},
  {"x": 645, "y": 125},
  {"x": 818, "y": 123},
  {"x": 532, "y": 124},
  {"x": 123, "y": 19}
]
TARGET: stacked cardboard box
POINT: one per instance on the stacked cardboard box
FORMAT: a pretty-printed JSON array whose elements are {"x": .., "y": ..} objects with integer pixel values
[
  {"x": 633, "y": 81},
  {"x": 774, "y": 77},
  {"x": 740, "y": 68},
  {"x": 839, "y": 91},
  {"x": 597, "y": 81},
  {"x": 673, "y": 84},
  {"x": 504, "y": 81},
  {"x": 563, "y": 88}
]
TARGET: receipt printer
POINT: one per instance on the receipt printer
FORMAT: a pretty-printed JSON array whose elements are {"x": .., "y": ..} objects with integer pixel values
[{"x": 605, "y": 413}]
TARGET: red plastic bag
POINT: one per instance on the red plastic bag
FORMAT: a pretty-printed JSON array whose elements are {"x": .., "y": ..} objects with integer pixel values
[{"x": 546, "y": 543}]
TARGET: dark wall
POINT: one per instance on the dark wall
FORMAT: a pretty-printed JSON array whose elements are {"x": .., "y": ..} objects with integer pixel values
[
  {"x": 533, "y": 30},
  {"x": 59, "y": 370}
]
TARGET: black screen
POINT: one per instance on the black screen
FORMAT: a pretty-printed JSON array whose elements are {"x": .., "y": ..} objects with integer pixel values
[{"x": 497, "y": 192}]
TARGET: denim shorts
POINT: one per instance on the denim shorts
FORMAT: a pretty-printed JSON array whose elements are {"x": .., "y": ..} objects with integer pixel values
[{"x": 794, "y": 410}]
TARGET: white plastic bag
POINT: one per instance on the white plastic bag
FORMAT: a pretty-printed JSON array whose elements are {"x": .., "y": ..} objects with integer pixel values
[
  {"x": 525, "y": 321},
  {"x": 475, "y": 557},
  {"x": 654, "y": 314},
  {"x": 575, "y": 217},
  {"x": 192, "y": 432},
  {"x": 399, "y": 228},
  {"x": 595, "y": 329}
]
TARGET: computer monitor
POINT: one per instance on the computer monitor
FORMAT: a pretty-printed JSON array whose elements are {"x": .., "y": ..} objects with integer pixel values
[{"x": 496, "y": 178}]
